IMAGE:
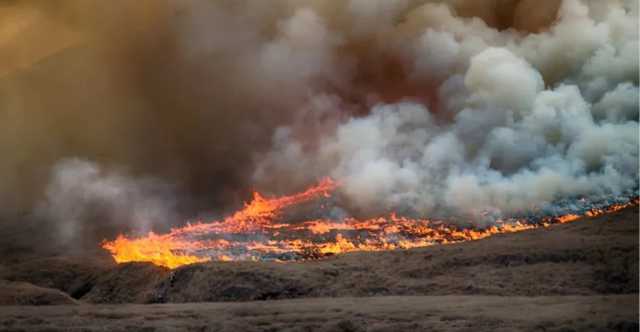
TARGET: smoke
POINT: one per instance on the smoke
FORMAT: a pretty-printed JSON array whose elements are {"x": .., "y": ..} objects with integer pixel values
[
  {"x": 420, "y": 106},
  {"x": 520, "y": 120},
  {"x": 82, "y": 197}
]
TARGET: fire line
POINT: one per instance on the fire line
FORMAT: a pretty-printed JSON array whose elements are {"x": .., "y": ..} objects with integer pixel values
[{"x": 255, "y": 233}]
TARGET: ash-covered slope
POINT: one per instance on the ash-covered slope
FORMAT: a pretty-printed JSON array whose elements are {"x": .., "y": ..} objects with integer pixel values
[{"x": 592, "y": 256}]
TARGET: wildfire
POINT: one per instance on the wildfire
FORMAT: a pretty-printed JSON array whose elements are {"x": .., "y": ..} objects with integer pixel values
[
  {"x": 160, "y": 250},
  {"x": 255, "y": 233}
]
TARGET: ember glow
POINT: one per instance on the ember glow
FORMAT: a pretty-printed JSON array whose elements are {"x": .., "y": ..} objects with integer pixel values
[{"x": 258, "y": 232}]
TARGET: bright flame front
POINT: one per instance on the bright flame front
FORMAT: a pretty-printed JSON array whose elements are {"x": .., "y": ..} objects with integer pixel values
[{"x": 254, "y": 233}]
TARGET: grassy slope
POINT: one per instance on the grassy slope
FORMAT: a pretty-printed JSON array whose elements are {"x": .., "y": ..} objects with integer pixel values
[
  {"x": 562, "y": 278},
  {"x": 396, "y": 313},
  {"x": 593, "y": 256}
]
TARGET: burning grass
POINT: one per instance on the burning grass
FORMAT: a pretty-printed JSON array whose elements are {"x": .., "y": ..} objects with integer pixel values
[{"x": 256, "y": 232}]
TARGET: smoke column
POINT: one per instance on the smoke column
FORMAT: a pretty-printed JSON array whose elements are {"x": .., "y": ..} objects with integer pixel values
[
  {"x": 514, "y": 119},
  {"x": 421, "y": 107}
]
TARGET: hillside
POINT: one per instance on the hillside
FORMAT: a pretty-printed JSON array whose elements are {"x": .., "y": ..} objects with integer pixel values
[{"x": 582, "y": 275}]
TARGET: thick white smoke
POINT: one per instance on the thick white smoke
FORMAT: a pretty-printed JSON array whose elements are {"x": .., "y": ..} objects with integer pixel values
[
  {"x": 426, "y": 107},
  {"x": 82, "y": 197},
  {"x": 522, "y": 119}
]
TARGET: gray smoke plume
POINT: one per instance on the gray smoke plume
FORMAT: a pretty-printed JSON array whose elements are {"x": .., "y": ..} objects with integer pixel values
[
  {"x": 82, "y": 197},
  {"x": 428, "y": 107},
  {"x": 521, "y": 120}
]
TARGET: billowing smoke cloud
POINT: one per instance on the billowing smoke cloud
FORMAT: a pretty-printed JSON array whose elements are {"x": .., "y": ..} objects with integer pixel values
[
  {"x": 420, "y": 106},
  {"x": 521, "y": 120},
  {"x": 82, "y": 197}
]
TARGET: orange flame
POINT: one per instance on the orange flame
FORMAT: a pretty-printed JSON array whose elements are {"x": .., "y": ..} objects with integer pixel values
[
  {"x": 171, "y": 251},
  {"x": 218, "y": 240},
  {"x": 159, "y": 250}
]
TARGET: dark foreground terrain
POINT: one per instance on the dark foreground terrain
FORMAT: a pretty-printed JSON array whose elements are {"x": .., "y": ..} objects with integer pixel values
[
  {"x": 574, "y": 277},
  {"x": 384, "y": 313}
]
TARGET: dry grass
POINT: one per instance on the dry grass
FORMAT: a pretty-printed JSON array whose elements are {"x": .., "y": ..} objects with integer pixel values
[
  {"x": 405, "y": 313},
  {"x": 574, "y": 277}
]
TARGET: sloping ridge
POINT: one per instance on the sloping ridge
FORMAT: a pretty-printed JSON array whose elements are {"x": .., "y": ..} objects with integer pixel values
[{"x": 587, "y": 257}]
